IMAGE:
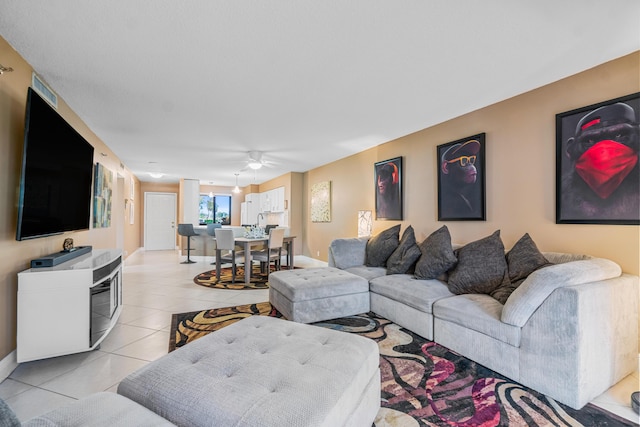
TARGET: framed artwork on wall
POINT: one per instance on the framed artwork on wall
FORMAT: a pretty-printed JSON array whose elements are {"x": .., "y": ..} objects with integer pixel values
[
  {"x": 388, "y": 183},
  {"x": 597, "y": 171},
  {"x": 365, "y": 223},
  {"x": 321, "y": 202},
  {"x": 102, "y": 192},
  {"x": 461, "y": 179}
]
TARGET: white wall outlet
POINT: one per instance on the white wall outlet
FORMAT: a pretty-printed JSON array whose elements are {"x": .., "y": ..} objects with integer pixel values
[{"x": 318, "y": 253}]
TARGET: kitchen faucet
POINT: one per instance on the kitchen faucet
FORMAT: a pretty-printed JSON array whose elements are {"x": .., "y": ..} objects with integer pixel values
[{"x": 258, "y": 220}]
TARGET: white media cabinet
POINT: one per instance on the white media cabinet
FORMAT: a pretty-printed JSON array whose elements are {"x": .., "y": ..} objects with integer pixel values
[{"x": 69, "y": 308}]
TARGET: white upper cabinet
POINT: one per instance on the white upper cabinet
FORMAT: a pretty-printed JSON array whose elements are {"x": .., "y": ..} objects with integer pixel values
[{"x": 272, "y": 200}]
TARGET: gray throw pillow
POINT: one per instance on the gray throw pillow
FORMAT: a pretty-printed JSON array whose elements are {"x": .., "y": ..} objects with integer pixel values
[
  {"x": 437, "y": 255},
  {"x": 381, "y": 246},
  {"x": 405, "y": 255},
  {"x": 481, "y": 267},
  {"x": 522, "y": 260},
  {"x": 7, "y": 417}
]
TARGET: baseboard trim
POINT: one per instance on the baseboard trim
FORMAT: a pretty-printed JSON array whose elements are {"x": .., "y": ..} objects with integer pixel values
[{"x": 7, "y": 365}]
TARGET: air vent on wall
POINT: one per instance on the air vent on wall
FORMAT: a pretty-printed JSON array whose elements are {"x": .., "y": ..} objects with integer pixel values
[{"x": 45, "y": 91}]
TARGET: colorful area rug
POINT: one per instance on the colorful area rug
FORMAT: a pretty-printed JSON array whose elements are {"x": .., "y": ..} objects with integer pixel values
[
  {"x": 208, "y": 278},
  {"x": 423, "y": 383}
]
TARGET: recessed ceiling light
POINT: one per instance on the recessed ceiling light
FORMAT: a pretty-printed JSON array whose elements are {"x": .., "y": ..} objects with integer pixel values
[{"x": 155, "y": 175}]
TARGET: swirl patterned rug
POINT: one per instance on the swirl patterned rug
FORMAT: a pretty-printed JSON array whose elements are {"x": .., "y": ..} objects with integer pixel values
[
  {"x": 423, "y": 383},
  {"x": 208, "y": 279}
]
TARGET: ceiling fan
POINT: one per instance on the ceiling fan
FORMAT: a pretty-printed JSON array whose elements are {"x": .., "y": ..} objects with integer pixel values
[{"x": 256, "y": 161}]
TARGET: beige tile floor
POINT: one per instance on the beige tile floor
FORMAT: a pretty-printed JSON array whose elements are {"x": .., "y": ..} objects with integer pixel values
[{"x": 156, "y": 285}]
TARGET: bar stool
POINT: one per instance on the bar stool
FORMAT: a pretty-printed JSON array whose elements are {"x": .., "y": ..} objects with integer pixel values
[{"x": 187, "y": 231}]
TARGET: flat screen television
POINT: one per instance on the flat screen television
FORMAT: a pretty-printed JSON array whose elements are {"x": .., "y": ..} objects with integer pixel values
[{"x": 57, "y": 168}]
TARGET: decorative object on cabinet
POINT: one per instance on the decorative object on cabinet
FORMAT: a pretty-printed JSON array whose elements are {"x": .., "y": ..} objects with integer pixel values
[
  {"x": 597, "y": 171},
  {"x": 461, "y": 179},
  {"x": 67, "y": 245},
  {"x": 321, "y": 202}
]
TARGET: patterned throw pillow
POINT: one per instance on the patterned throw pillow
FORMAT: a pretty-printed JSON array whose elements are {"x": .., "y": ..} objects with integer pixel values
[
  {"x": 481, "y": 267},
  {"x": 522, "y": 260},
  {"x": 437, "y": 255},
  {"x": 405, "y": 255},
  {"x": 381, "y": 246}
]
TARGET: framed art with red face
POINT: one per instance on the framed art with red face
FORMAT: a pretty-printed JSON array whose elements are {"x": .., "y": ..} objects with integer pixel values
[
  {"x": 388, "y": 183},
  {"x": 461, "y": 179},
  {"x": 597, "y": 178}
]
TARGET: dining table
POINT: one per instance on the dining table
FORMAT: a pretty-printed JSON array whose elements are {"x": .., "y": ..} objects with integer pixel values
[{"x": 249, "y": 242}]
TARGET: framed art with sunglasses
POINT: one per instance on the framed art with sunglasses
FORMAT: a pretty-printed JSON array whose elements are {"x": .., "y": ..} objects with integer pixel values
[
  {"x": 461, "y": 179},
  {"x": 597, "y": 170}
]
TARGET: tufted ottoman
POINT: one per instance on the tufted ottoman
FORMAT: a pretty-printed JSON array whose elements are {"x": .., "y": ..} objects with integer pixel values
[
  {"x": 314, "y": 294},
  {"x": 263, "y": 371}
]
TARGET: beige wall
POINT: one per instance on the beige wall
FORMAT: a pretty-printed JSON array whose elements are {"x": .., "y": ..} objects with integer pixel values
[
  {"x": 16, "y": 256},
  {"x": 520, "y": 176}
]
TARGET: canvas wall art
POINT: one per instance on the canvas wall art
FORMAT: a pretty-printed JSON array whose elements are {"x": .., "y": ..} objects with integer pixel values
[
  {"x": 365, "y": 223},
  {"x": 388, "y": 185},
  {"x": 461, "y": 179},
  {"x": 102, "y": 194},
  {"x": 321, "y": 202},
  {"x": 597, "y": 178}
]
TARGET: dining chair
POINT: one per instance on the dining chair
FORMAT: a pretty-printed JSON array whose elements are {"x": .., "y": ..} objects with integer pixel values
[
  {"x": 187, "y": 231},
  {"x": 273, "y": 251},
  {"x": 211, "y": 231},
  {"x": 226, "y": 252}
]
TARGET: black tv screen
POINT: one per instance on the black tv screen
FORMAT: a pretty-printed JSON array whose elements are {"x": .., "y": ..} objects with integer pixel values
[{"x": 55, "y": 182}]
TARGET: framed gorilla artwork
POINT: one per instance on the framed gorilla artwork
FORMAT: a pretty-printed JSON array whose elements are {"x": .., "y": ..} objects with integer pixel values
[
  {"x": 388, "y": 182},
  {"x": 461, "y": 180},
  {"x": 597, "y": 179}
]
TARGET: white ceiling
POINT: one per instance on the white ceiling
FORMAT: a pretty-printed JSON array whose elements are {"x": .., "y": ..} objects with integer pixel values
[{"x": 195, "y": 85}]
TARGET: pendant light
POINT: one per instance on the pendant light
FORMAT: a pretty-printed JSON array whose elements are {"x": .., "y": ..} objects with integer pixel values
[{"x": 236, "y": 189}]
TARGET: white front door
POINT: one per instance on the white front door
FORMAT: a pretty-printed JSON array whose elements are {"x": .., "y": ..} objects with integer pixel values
[{"x": 159, "y": 221}]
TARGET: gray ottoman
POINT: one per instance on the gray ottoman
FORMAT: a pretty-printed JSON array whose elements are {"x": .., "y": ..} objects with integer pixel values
[
  {"x": 315, "y": 294},
  {"x": 103, "y": 409},
  {"x": 263, "y": 371}
]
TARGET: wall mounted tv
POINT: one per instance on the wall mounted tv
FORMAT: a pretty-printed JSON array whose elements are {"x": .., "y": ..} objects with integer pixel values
[{"x": 57, "y": 168}]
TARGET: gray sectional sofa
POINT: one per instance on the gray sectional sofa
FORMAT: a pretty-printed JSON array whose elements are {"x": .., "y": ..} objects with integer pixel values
[{"x": 569, "y": 330}]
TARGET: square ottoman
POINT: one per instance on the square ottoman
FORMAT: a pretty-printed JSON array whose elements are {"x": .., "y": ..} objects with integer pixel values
[
  {"x": 314, "y": 294},
  {"x": 264, "y": 371}
]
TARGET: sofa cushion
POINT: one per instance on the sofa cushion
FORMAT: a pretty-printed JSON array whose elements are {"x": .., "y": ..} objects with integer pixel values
[
  {"x": 481, "y": 267},
  {"x": 437, "y": 255},
  {"x": 405, "y": 255},
  {"x": 347, "y": 253},
  {"x": 381, "y": 246},
  {"x": 525, "y": 300},
  {"x": 480, "y": 313},
  {"x": 368, "y": 273},
  {"x": 522, "y": 260},
  {"x": 406, "y": 289}
]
